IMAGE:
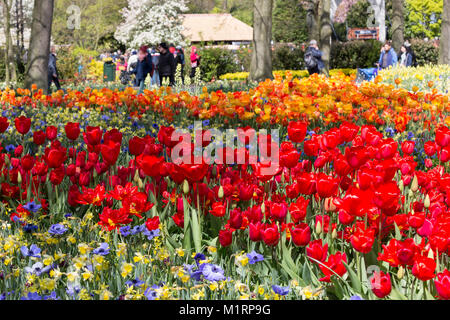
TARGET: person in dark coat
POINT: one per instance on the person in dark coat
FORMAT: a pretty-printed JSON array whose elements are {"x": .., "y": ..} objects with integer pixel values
[
  {"x": 313, "y": 58},
  {"x": 167, "y": 64},
  {"x": 143, "y": 68},
  {"x": 52, "y": 70}
]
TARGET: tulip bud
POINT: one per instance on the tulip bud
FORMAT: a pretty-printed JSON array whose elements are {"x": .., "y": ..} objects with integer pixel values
[
  {"x": 140, "y": 183},
  {"x": 185, "y": 187},
  {"x": 263, "y": 208},
  {"x": 282, "y": 178},
  {"x": 415, "y": 184},
  {"x": 410, "y": 193},
  {"x": 401, "y": 186},
  {"x": 136, "y": 176},
  {"x": 426, "y": 203},
  {"x": 220, "y": 193},
  {"x": 318, "y": 228},
  {"x": 19, "y": 177},
  {"x": 400, "y": 272},
  {"x": 430, "y": 254},
  {"x": 334, "y": 234}
]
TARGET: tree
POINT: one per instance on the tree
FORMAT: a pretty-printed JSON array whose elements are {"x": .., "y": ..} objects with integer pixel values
[
  {"x": 86, "y": 23},
  {"x": 312, "y": 18},
  {"x": 423, "y": 18},
  {"x": 41, "y": 29},
  {"x": 377, "y": 17},
  {"x": 10, "y": 66},
  {"x": 444, "y": 53},
  {"x": 289, "y": 22},
  {"x": 398, "y": 22},
  {"x": 325, "y": 33},
  {"x": 261, "y": 64},
  {"x": 151, "y": 22}
]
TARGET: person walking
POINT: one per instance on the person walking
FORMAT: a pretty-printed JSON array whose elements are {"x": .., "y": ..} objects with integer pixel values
[
  {"x": 166, "y": 66},
  {"x": 388, "y": 57},
  {"x": 143, "y": 68},
  {"x": 313, "y": 58},
  {"x": 52, "y": 70},
  {"x": 195, "y": 61},
  {"x": 180, "y": 60}
]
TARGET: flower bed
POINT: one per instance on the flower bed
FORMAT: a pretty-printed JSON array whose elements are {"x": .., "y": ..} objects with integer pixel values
[
  {"x": 427, "y": 78},
  {"x": 355, "y": 206},
  {"x": 294, "y": 73}
]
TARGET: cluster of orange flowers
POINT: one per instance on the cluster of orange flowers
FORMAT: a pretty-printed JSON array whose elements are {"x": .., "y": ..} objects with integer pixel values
[{"x": 277, "y": 101}]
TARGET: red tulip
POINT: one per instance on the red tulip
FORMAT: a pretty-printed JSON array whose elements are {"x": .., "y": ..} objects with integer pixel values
[
  {"x": 311, "y": 148},
  {"x": 271, "y": 235},
  {"x": 23, "y": 124},
  {"x": 225, "y": 237},
  {"x": 297, "y": 131},
  {"x": 326, "y": 185},
  {"x": 218, "y": 209},
  {"x": 381, "y": 284},
  {"x": 429, "y": 148},
  {"x": 442, "y": 283},
  {"x": 4, "y": 124},
  {"x": 317, "y": 251},
  {"x": 165, "y": 136},
  {"x": 39, "y": 137},
  {"x": 55, "y": 157},
  {"x": 254, "y": 230},
  {"x": 442, "y": 136},
  {"x": 301, "y": 235},
  {"x": 152, "y": 223},
  {"x": 151, "y": 165},
  {"x": 110, "y": 151},
  {"x": 72, "y": 130},
  {"x": 408, "y": 147},
  {"x": 113, "y": 135},
  {"x": 335, "y": 263},
  {"x": 362, "y": 240},
  {"x": 51, "y": 132},
  {"x": 136, "y": 146},
  {"x": 27, "y": 162},
  {"x": 278, "y": 211},
  {"x": 424, "y": 268},
  {"x": 93, "y": 135},
  {"x": 57, "y": 176},
  {"x": 298, "y": 209}
]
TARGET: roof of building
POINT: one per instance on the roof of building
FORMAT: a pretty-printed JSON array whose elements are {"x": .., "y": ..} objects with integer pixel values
[{"x": 215, "y": 27}]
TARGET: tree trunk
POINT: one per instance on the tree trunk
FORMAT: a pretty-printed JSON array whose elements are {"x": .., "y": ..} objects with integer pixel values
[
  {"x": 10, "y": 66},
  {"x": 312, "y": 18},
  {"x": 261, "y": 64},
  {"x": 380, "y": 17},
  {"x": 325, "y": 34},
  {"x": 41, "y": 28},
  {"x": 398, "y": 22},
  {"x": 444, "y": 53}
]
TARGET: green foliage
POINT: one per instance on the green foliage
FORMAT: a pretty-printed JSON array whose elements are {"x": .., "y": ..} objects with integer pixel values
[
  {"x": 217, "y": 61},
  {"x": 288, "y": 23},
  {"x": 66, "y": 63},
  {"x": 425, "y": 52},
  {"x": 99, "y": 20},
  {"x": 423, "y": 18},
  {"x": 355, "y": 54},
  {"x": 357, "y": 16},
  {"x": 287, "y": 58}
]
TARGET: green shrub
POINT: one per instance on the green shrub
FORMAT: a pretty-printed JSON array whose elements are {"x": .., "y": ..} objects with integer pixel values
[
  {"x": 215, "y": 62},
  {"x": 355, "y": 54},
  {"x": 425, "y": 51},
  {"x": 285, "y": 57}
]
